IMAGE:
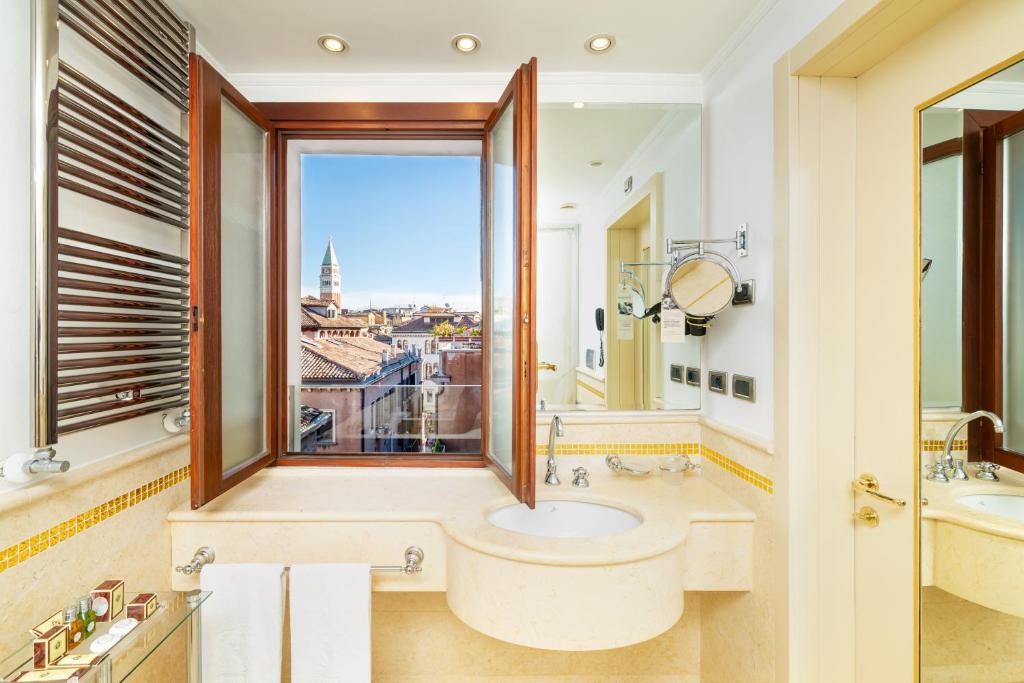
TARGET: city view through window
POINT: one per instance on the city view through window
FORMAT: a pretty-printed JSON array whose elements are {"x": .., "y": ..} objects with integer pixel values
[{"x": 390, "y": 351}]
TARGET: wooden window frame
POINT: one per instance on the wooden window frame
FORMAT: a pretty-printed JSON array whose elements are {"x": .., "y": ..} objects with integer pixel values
[
  {"x": 294, "y": 121},
  {"x": 984, "y": 131},
  {"x": 207, "y": 88},
  {"x": 290, "y": 121}
]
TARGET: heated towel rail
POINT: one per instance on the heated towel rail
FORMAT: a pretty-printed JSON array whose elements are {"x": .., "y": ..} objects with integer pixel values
[{"x": 111, "y": 315}]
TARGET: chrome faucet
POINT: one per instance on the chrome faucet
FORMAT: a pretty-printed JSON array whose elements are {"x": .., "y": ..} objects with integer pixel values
[
  {"x": 945, "y": 467},
  {"x": 557, "y": 429}
]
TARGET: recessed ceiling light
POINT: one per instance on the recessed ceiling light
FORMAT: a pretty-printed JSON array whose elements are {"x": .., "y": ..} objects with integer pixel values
[
  {"x": 568, "y": 206},
  {"x": 465, "y": 43},
  {"x": 601, "y": 42},
  {"x": 578, "y": 105},
  {"x": 595, "y": 163},
  {"x": 332, "y": 43}
]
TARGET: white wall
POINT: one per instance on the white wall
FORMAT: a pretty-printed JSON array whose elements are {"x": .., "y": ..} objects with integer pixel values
[
  {"x": 738, "y": 189},
  {"x": 15, "y": 184},
  {"x": 672, "y": 149}
]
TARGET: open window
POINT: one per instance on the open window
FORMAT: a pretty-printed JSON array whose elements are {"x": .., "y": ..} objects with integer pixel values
[{"x": 253, "y": 404}]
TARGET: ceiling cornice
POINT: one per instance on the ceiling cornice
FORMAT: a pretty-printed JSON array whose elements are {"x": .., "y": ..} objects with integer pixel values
[
  {"x": 666, "y": 88},
  {"x": 746, "y": 27}
]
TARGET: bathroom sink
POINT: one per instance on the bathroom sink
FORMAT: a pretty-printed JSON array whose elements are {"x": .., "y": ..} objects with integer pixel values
[
  {"x": 564, "y": 519},
  {"x": 1011, "y": 507}
]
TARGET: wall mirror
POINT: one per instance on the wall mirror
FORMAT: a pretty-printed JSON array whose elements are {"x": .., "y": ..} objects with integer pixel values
[
  {"x": 972, "y": 382},
  {"x": 614, "y": 182}
]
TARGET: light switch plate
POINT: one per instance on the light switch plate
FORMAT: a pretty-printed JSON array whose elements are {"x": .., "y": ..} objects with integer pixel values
[
  {"x": 718, "y": 381},
  {"x": 743, "y": 387}
]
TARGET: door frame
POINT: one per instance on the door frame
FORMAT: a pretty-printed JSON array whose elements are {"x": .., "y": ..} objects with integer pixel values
[
  {"x": 651, "y": 352},
  {"x": 574, "y": 230}
]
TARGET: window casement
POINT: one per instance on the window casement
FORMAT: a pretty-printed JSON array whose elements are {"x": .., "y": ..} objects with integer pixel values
[
  {"x": 241, "y": 402},
  {"x": 990, "y": 304}
]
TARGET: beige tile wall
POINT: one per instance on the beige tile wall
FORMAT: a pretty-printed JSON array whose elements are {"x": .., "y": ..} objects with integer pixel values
[
  {"x": 128, "y": 536},
  {"x": 738, "y": 629},
  {"x": 417, "y": 639}
]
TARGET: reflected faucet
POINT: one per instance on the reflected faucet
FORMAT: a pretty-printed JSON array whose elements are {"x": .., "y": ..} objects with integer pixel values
[
  {"x": 945, "y": 466},
  {"x": 557, "y": 429}
]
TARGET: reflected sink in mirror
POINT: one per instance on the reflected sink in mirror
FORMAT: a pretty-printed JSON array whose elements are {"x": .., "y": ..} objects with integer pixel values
[
  {"x": 564, "y": 519},
  {"x": 1011, "y": 507}
]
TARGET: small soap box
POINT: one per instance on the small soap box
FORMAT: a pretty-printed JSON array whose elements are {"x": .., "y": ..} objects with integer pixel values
[
  {"x": 142, "y": 606},
  {"x": 56, "y": 620},
  {"x": 49, "y": 647},
  {"x": 108, "y": 599},
  {"x": 78, "y": 661},
  {"x": 59, "y": 675}
]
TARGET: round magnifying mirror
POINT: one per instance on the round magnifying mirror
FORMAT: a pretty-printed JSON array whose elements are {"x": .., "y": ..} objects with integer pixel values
[{"x": 702, "y": 284}]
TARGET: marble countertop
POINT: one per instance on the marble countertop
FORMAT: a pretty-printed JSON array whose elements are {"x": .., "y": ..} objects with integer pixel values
[
  {"x": 460, "y": 499},
  {"x": 943, "y": 507}
]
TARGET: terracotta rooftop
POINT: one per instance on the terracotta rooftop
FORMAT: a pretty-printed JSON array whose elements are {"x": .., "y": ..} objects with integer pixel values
[
  {"x": 314, "y": 321},
  {"x": 342, "y": 358},
  {"x": 314, "y": 301},
  {"x": 419, "y": 324}
]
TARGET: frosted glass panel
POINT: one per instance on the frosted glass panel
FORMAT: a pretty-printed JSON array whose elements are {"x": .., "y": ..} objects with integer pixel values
[
  {"x": 941, "y": 290},
  {"x": 1013, "y": 292},
  {"x": 243, "y": 311},
  {"x": 501, "y": 303}
]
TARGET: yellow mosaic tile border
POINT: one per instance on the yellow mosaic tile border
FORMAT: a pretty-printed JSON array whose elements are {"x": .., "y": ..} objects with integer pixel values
[
  {"x": 621, "y": 449},
  {"x": 30, "y": 547},
  {"x": 936, "y": 445},
  {"x": 745, "y": 473}
]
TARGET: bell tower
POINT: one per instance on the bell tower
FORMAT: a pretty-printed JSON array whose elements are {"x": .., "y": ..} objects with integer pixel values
[{"x": 330, "y": 276}]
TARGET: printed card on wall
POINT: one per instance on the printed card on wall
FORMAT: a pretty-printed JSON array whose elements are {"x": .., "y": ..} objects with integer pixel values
[
  {"x": 673, "y": 326},
  {"x": 624, "y": 319}
]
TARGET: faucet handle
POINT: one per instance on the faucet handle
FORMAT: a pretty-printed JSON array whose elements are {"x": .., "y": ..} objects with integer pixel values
[
  {"x": 580, "y": 477},
  {"x": 987, "y": 471},
  {"x": 937, "y": 473}
]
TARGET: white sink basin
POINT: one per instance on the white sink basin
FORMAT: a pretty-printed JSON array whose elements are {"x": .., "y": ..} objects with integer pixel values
[
  {"x": 564, "y": 519},
  {"x": 1011, "y": 507}
]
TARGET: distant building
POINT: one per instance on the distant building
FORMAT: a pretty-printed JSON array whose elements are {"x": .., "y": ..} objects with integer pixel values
[
  {"x": 330, "y": 276},
  {"x": 399, "y": 314},
  {"x": 418, "y": 333},
  {"x": 320, "y": 320},
  {"x": 367, "y": 389},
  {"x": 386, "y": 379}
]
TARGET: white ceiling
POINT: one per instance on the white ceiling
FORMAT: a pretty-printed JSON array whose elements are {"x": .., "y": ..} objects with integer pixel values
[
  {"x": 570, "y": 138},
  {"x": 260, "y": 36}
]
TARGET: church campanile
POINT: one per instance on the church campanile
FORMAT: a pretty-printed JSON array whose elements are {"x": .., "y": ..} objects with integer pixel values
[{"x": 330, "y": 276}]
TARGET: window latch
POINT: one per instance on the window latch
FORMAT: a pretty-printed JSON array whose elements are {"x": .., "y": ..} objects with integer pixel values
[{"x": 195, "y": 318}]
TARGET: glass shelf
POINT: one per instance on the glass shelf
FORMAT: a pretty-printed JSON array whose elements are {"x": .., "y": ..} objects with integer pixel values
[{"x": 175, "y": 610}]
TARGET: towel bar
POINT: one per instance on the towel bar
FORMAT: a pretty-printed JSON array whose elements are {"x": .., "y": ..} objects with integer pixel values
[{"x": 413, "y": 562}]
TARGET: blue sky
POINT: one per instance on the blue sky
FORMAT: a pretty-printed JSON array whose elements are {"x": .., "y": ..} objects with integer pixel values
[{"x": 406, "y": 229}]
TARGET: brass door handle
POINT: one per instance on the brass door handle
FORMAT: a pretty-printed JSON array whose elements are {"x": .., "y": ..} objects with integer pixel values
[
  {"x": 544, "y": 365},
  {"x": 868, "y": 483},
  {"x": 867, "y": 515}
]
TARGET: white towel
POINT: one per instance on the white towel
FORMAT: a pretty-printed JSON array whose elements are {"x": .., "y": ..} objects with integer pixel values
[
  {"x": 242, "y": 623},
  {"x": 330, "y": 623}
]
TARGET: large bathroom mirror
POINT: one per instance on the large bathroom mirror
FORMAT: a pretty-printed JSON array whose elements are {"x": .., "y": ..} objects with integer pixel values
[
  {"x": 615, "y": 181},
  {"x": 972, "y": 382}
]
